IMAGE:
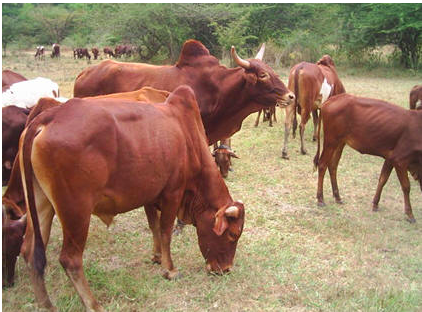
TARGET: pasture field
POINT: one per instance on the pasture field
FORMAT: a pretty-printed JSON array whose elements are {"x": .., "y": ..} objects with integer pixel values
[{"x": 292, "y": 256}]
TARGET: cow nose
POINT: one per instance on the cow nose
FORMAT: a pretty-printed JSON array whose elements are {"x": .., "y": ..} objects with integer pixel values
[{"x": 291, "y": 96}]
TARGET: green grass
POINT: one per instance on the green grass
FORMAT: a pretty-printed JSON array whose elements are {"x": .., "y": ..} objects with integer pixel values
[{"x": 292, "y": 256}]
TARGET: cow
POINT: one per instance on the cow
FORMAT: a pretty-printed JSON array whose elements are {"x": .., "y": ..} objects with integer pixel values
[
  {"x": 95, "y": 52},
  {"x": 225, "y": 96},
  {"x": 152, "y": 155},
  {"x": 415, "y": 96},
  {"x": 12, "y": 238},
  {"x": 269, "y": 114},
  {"x": 39, "y": 53},
  {"x": 123, "y": 49},
  {"x": 222, "y": 154},
  {"x": 26, "y": 93},
  {"x": 312, "y": 85},
  {"x": 9, "y": 77},
  {"x": 81, "y": 53},
  {"x": 55, "y": 53},
  {"x": 13, "y": 123},
  {"x": 373, "y": 127},
  {"x": 108, "y": 52}
]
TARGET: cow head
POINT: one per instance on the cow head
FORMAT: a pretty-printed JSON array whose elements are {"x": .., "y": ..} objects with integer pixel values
[
  {"x": 223, "y": 155},
  {"x": 267, "y": 88},
  {"x": 326, "y": 60},
  {"x": 218, "y": 234}
]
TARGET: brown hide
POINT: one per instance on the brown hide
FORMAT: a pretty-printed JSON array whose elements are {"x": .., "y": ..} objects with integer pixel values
[
  {"x": 306, "y": 79},
  {"x": 56, "y": 51},
  {"x": 222, "y": 154},
  {"x": 9, "y": 77},
  {"x": 225, "y": 96},
  {"x": 128, "y": 156},
  {"x": 372, "y": 127},
  {"x": 95, "y": 52},
  {"x": 415, "y": 96}
]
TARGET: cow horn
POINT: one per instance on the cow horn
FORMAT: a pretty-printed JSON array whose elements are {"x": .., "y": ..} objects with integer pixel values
[
  {"x": 260, "y": 54},
  {"x": 232, "y": 211},
  {"x": 238, "y": 60},
  {"x": 232, "y": 154}
]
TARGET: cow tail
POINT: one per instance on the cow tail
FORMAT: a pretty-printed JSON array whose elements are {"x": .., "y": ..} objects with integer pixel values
[
  {"x": 316, "y": 158},
  {"x": 27, "y": 172},
  {"x": 296, "y": 91}
]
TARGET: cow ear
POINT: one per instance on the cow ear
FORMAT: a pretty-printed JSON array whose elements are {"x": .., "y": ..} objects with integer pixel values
[
  {"x": 251, "y": 78},
  {"x": 221, "y": 223}
]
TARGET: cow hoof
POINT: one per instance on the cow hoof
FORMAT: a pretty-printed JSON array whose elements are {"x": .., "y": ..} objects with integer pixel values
[
  {"x": 284, "y": 155},
  {"x": 321, "y": 204},
  {"x": 375, "y": 207},
  {"x": 411, "y": 220},
  {"x": 303, "y": 152},
  {"x": 172, "y": 275},
  {"x": 339, "y": 201},
  {"x": 156, "y": 259}
]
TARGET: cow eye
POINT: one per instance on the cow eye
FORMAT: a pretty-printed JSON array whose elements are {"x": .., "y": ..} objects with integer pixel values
[{"x": 263, "y": 75}]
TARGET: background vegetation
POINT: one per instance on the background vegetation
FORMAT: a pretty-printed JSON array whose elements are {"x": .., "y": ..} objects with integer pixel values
[{"x": 352, "y": 33}]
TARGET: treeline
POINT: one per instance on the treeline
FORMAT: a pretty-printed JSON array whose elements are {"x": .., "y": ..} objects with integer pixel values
[{"x": 355, "y": 33}]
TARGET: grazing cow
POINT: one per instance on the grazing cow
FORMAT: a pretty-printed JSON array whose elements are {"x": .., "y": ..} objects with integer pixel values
[
  {"x": 12, "y": 238},
  {"x": 13, "y": 123},
  {"x": 128, "y": 164},
  {"x": 225, "y": 96},
  {"x": 80, "y": 53},
  {"x": 371, "y": 127},
  {"x": 9, "y": 77},
  {"x": 312, "y": 85},
  {"x": 415, "y": 96},
  {"x": 39, "y": 54},
  {"x": 222, "y": 154},
  {"x": 108, "y": 52},
  {"x": 55, "y": 53},
  {"x": 269, "y": 114},
  {"x": 122, "y": 49},
  {"x": 26, "y": 93},
  {"x": 95, "y": 52}
]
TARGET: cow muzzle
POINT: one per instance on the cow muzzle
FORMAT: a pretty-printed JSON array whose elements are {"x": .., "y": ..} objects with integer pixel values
[
  {"x": 217, "y": 270},
  {"x": 286, "y": 99}
]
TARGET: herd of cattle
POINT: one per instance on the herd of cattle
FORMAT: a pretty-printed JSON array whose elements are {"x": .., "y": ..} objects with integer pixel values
[
  {"x": 122, "y": 143},
  {"x": 79, "y": 53}
]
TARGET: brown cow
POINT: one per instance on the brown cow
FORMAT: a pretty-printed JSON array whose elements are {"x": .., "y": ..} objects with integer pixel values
[
  {"x": 269, "y": 114},
  {"x": 80, "y": 53},
  {"x": 108, "y": 52},
  {"x": 312, "y": 85},
  {"x": 39, "y": 54},
  {"x": 152, "y": 155},
  {"x": 222, "y": 154},
  {"x": 9, "y": 77},
  {"x": 55, "y": 53},
  {"x": 225, "y": 96},
  {"x": 95, "y": 52},
  {"x": 372, "y": 127},
  {"x": 415, "y": 96}
]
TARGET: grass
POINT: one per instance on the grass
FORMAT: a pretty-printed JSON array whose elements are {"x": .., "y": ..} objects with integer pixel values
[{"x": 292, "y": 256}]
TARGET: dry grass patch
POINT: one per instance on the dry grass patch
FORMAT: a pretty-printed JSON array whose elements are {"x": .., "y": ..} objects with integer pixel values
[{"x": 292, "y": 256}]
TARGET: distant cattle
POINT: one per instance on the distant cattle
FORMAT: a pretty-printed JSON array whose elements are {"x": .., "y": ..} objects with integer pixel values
[
  {"x": 372, "y": 127},
  {"x": 222, "y": 154},
  {"x": 312, "y": 85},
  {"x": 125, "y": 151},
  {"x": 39, "y": 53},
  {"x": 81, "y": 53},
  {"x": 108, "y": 52},
  {"x": 269, "y": 114},
  {"x": 9, "y": 77},
  {"x": 123, "y": 49},
  {"x": 95, "y": 52},
  {"x": 415, "y": 96},
  {"x": 216, "y": 87},
  {"x": 26, "y": 93},
  {"x": 55, "y": 53}
]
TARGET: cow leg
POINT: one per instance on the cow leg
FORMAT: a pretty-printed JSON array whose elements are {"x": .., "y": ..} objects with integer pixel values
[
  {"x": 45, "y": 213},
  {"x": 405, "y": 186},
  {"x": 303, "y": 120},
  {"x": 325, "y": 159},
  {"x": 274, "y": 114},
  {"x": 332, "y": 168},
  {"x": 387, "y": 167},
  {"x": 315, "y": 120},
  {"x": 153, "y": 216},
  {"x": 257, "y": 118},
  {"x": 288, "y": 122}
]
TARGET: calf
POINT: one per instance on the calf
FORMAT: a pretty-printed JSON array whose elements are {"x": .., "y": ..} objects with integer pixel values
[
  {"x": 95, "y": 52},
  {"x": 269, "y": 114},
  {"x": 9, "y": 77},
  {"x": 55, "y": 53},
  {"x": 129, "y": 164},
  {"x": 312, "y": 84},
  {"x": 39, "y": 54},
  {"x": 371, "y": 127},
  {"x": 415, "y": 96},
  {"x": 222, "y": 154}
]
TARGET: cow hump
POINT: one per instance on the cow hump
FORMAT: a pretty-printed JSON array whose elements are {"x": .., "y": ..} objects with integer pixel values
[{"x": 191, "y": 50}]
